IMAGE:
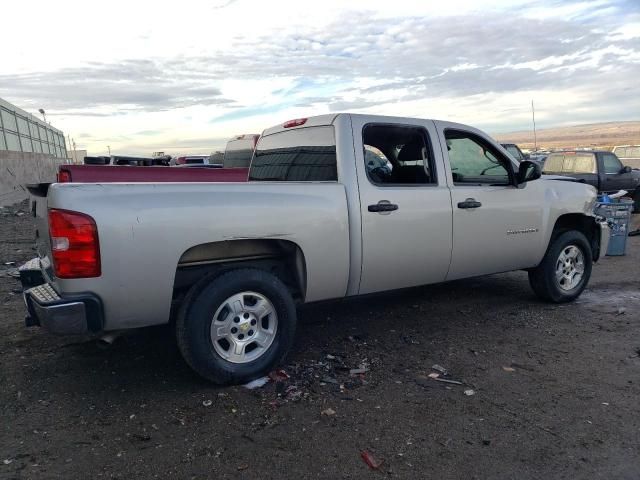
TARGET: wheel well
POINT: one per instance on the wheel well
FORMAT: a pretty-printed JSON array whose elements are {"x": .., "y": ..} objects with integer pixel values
[
  {"x": 582, "y": 223},
  {"x": 282, "y": 258}
]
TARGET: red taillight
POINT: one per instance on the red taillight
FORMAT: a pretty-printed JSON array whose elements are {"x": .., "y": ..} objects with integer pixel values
[
  {"x": 64, "y": 176},
  {"x": 295, "y": 123},
  {"x": 74, "y": 244},
  {"x": 181, "y": 160}
]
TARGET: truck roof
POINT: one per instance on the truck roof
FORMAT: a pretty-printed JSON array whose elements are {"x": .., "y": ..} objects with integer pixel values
[{"x": 329, "y": 119}]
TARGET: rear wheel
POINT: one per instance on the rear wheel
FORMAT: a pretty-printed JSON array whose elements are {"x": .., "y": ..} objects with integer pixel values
[
  {"x": 565, "y": 269},
  {"x": 236, "y": 327}
]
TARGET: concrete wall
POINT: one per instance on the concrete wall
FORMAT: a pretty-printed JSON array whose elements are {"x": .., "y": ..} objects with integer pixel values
[{"x": 20, "y": 168}]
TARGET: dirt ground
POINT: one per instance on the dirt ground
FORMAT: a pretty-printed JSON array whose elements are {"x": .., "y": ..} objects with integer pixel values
[{"x": 555, "y": 389}]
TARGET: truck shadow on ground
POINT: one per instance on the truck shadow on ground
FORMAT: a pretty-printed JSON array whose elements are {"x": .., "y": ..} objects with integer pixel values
[{"x": 149, "y": 358}]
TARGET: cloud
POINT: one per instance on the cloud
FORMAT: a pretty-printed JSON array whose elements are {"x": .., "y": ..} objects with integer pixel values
[
  {"x": 578, "y": 60},
  {"x": 130, "y": 85}
]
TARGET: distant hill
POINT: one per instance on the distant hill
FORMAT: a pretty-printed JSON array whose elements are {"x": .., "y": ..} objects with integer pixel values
[{"x": 601, "y": 135}]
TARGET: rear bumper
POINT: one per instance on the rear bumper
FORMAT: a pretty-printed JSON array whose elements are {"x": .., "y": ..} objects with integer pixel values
[{"x": 73, "y": 314}]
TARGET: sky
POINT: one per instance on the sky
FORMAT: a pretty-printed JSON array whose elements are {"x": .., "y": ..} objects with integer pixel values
[{"x": 183, "y": 77}]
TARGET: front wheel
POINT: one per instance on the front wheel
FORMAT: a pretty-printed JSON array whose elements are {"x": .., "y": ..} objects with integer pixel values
[
  {"x": 565, "y": 269},
  {"x": 237, "y": 326}
]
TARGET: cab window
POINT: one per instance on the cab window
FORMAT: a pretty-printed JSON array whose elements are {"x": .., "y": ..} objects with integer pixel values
[
  {"x": 611, "y": 163},
  {"x": 398, "y": 155},
  {"x": 474, "y": 161}
]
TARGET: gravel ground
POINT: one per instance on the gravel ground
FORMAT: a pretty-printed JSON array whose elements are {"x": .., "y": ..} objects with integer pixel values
[{"x": 555, "y": 389}]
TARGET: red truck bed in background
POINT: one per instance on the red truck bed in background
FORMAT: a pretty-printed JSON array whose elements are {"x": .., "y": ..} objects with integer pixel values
[{"x": 113, "y": 174}]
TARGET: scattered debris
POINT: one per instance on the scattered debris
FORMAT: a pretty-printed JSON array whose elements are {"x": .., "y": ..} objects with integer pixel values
[
  {"x": 508, "y": 369},
  {"x": 207, "y": 403},
  {"x": 330, "y": 357},
  {"x": 357, "y": 371},
  {"x": 433, "y": 375},
  {"x": 486, "y": 442},
  {"x": 8, "y": 461},
  {"x": 370, "y": 460},
  {"x": 446, "y": 380},
  {"x": 330, "y": 380},
  {"x": 520, "y": 366},
  {"x": 243, "y": 467},
  {"x": 257, "y": 383},
  {"x": 10, "y": 264},
  {"x": 439, "y": 368},
  {"x": 293, "y": 394},
  {"x": 606, "y": 404},
  {"x": 468, "y": 392},
  {"x": 279, "y": 375},
  {"x": 328, "y": 412},
  {"x": 621, "y": 310}
]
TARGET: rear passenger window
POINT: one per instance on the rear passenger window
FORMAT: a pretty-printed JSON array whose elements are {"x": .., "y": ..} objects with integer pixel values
[
  {"x": 397, "y": 155},
  {"x": 300, "y": 155}
]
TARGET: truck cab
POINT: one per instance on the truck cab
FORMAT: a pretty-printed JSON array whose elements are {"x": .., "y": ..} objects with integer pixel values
[{"x": 599, "y": 168}]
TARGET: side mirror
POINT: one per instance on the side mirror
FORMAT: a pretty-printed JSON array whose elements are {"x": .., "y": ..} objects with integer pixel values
[
  {"x": 626, "y": 169},
  {"x": 528, "y": 171}
]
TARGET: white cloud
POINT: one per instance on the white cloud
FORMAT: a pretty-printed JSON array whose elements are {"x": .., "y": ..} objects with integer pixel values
[{"x": 144, "y": 76}]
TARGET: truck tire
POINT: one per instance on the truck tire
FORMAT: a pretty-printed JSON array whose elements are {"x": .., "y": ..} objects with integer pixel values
[
  {"x": 565, "y": 269},
  {"x": 236, "y": 327}
]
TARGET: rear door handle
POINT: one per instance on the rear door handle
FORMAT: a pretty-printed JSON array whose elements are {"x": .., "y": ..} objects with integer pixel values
[
  {"x": 469, "y": 203},
  {"x": 382, "y": 206}
]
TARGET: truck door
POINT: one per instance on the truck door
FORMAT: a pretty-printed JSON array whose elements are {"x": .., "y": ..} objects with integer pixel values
[
  {"x": 613, "y": 175},
  {"x": 496, "y": 225},
  {"x": 405, "y": 204}
]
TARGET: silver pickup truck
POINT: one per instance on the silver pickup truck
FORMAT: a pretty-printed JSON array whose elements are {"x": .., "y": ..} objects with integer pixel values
[{"x": 336, "y": 205}]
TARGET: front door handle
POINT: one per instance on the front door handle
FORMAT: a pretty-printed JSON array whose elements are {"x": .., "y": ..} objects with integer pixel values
[
  {"x": 469, "y": 203},
  {"x": 383, "y": 206}
]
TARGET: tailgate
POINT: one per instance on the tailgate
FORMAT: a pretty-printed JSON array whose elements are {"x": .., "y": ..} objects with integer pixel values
[{"x": 38, "y": 198}]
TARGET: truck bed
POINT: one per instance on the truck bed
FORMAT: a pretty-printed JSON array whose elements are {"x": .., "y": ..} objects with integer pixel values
[{"x": 113, "y": 174}]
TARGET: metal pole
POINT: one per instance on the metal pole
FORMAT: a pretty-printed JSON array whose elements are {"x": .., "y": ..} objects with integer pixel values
[
  {"x": 109, "y": 148},
  {"x": 69, "y": 140},
  {"x": 75, "y": 158},
  {"x": 535, "y": 139}
]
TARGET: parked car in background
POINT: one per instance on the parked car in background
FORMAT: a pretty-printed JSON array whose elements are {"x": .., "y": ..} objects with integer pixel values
[
  {"x": 599, "y": 168},
  {"x": 539, "y": 157},
  {"x": 192, "y": 160},
  {"x": 125, "y": 160},
  {"x": 514, "y": 151},
  {"x": 103, "y": 160},
  {"x": 217, "y": 158},
  {"x": 319, "y": 219},
  {"x": 520, "y": 156},
  {"x": 239, "y": 150},
  {"x": 628, "y": 154}
]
